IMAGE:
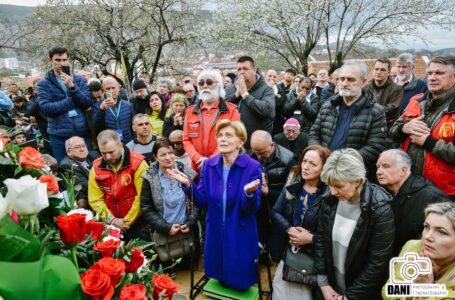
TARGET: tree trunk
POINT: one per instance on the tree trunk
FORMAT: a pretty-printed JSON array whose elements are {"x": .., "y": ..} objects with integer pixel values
[{"x": 337, "y": 63}]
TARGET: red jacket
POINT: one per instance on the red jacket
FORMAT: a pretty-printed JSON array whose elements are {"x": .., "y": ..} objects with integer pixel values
[
  {"x": 438, "y": 171},
  {"x": 195, "y": 141},
  {"x": 119, "y": 189}
]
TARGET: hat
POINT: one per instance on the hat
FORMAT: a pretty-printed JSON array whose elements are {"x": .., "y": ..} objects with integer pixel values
[
  {"x": 139, "y": 84},
  {"x": 291, "y": 122},
  {"x": 17, "y": 132}
]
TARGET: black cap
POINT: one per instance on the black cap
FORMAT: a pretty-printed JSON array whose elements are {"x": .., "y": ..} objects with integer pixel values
[{"x": 139, "y": 84}]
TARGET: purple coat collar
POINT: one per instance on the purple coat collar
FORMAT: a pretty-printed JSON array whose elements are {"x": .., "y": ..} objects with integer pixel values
[{"x": 241, "y": 160}]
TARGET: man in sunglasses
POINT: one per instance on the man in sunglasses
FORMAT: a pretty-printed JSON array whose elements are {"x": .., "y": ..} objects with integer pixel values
[
  {"x": 254, "y": 98},
  {"x": 200, "y": 120},
  {"x": 190, "y": 93},
  {"x": 176, "y": 140}
]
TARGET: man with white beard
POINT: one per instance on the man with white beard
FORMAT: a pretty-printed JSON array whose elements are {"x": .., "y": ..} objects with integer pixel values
[
  {"x": 199, "y": 129},
  {"x": 411, "y": 84},
  {"x": 353, "y": 118}
]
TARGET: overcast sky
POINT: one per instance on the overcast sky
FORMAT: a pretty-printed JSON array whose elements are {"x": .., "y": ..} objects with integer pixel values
[{"x": 438, "y": 38}]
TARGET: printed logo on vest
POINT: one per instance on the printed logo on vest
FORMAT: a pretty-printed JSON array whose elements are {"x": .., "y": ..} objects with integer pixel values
[
  {"x": 126, "y": 180},
  {"x": 447, "y": 130}
]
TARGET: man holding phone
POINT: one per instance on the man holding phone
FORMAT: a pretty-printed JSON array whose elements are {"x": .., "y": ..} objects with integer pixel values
[
  {"x": 113, "y": 112},
  {"x": 63, "y": 97}
]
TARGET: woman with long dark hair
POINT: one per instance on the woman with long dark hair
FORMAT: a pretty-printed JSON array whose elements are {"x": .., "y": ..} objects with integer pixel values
[{"x": 157, "y": 112}]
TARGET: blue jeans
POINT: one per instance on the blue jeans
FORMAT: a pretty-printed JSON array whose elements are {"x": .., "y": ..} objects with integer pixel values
[{"x": 58, "y": 146}]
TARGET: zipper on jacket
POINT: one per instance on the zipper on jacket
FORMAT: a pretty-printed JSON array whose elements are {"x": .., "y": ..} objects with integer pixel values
[{"x": 115, "y": 193}]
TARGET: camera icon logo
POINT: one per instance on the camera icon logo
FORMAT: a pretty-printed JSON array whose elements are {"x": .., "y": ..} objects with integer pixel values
[{"x": 409, "y": 266}]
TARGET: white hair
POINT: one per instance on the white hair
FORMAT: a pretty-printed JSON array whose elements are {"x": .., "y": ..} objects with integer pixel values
[
  {"x": 215, "y": 76},
  {"x": 360, "y": 65},
  {"x": 402, "y": 157},
  {"x": 344, "y": 165}
]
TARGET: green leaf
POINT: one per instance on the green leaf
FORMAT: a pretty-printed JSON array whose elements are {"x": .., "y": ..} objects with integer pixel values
[
  {"x": 20, "y": 252},
  {"x": 5, "y": 161},
  {"x": 11, "y": 245},
  {"x": 18, "y": 170}
]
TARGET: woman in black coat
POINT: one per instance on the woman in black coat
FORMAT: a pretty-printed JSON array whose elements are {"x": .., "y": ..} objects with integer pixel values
[
  {"x": 354, "y": 240},
  {"x": 296, "y": 214}
]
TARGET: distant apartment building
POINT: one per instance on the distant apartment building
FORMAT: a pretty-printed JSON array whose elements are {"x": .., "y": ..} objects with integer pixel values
[{"x": 9, "y": 63}]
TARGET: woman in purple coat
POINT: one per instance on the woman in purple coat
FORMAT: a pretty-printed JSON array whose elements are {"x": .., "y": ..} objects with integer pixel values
[{"x": 229, "y": 189}]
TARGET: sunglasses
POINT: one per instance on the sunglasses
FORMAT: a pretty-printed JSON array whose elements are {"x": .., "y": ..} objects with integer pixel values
[
  {"x": 208, "y": 81},
  {"x": 178, "y": 143}
]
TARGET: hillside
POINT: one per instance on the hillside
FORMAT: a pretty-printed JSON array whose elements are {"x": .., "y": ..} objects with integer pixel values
[{"x": 14, "y": 13}]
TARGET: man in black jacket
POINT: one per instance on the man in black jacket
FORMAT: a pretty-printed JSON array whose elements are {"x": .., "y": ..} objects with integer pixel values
[
  {"x": 140, "y": 104},
  {"x": 412, "y": 194},
  {"x": 254, "y": 98},
  {"x": 352, "y": 119},
  {"x": 388, "y": 93},
  {"x": 291, "y": 138},
  {"x": 78, "y": 162},
  {"x": 276, "y": 163}
]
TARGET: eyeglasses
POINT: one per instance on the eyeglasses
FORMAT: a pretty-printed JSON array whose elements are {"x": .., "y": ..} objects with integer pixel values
[
  {"x": 79, "y": 147},
  {"x": 189, "y": 91},
  {"x": 177, "y": 143},
  {"x": 208, "y": 81}
]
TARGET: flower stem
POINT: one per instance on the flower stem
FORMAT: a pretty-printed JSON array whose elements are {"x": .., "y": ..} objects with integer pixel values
[{"x": 74, "y": 256}]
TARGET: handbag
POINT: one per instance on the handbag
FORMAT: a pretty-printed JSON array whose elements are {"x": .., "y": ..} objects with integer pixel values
[
  {"x": 299, "y": 266},
  {"x": 171, "y": 247}
]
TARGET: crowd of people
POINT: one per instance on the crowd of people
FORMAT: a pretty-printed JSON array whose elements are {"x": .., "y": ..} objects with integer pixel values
[{"x": 333, "y": 172}]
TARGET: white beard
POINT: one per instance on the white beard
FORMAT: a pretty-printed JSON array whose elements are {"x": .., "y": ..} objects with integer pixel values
[
  {"x": 347, "y": 93},
  {"x": 401, "y": 77},
  {"x": 212, "y": 96}
]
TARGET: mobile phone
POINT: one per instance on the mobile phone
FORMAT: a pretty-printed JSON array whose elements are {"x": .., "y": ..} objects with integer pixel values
[
  {"x": 108, "y": 95},
  {"x": 66, "y": 70}
]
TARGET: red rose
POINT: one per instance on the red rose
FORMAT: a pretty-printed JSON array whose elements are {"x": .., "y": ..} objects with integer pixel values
[
  {"x": 52, "y": 184},
  {"x": 72, "y": 228},
  {"x": 136, "y": 260},
  {"x": 113, "y": 267},
  {"x": 30, "y": 158},
  {"x": 97, "y": 285},
  {"x": 108, "y": 247},
  {"x": 114, "y": 232},
  {"x": 161, "y": 283},
  {"x": 95, "y": 229},
  {"x": 133, "y": 292}
]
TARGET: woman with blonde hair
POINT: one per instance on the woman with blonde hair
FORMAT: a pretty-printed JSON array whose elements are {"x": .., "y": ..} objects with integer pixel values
[
  {"x": 437, "y": 244},
  {"x": 177, "y": 118},
  {"x": 229, "y": 188},
  {"x": 354, "y": 239}
]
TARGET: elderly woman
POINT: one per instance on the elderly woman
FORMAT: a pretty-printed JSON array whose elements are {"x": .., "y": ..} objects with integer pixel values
[
  {"x": 157, "y": 112},
  {"x": 296, "y": 214},
  {"x": 229, "y": 190},
  {"x": 354, "y": 240},
  {"x": 437, "y": 244},
  {"x": 177, "y": 117},
  {"x": 164, "y": 205},
  {"x": 164, "y": 89}
]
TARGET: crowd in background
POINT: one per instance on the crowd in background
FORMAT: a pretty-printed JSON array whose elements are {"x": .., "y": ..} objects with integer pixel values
[{"x": 342, "y": 169}]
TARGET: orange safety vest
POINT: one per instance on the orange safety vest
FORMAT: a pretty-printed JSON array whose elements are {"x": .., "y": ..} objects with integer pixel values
[
  {"x": 438, "y": 171},
  {"x": 118, "y": 187}
]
